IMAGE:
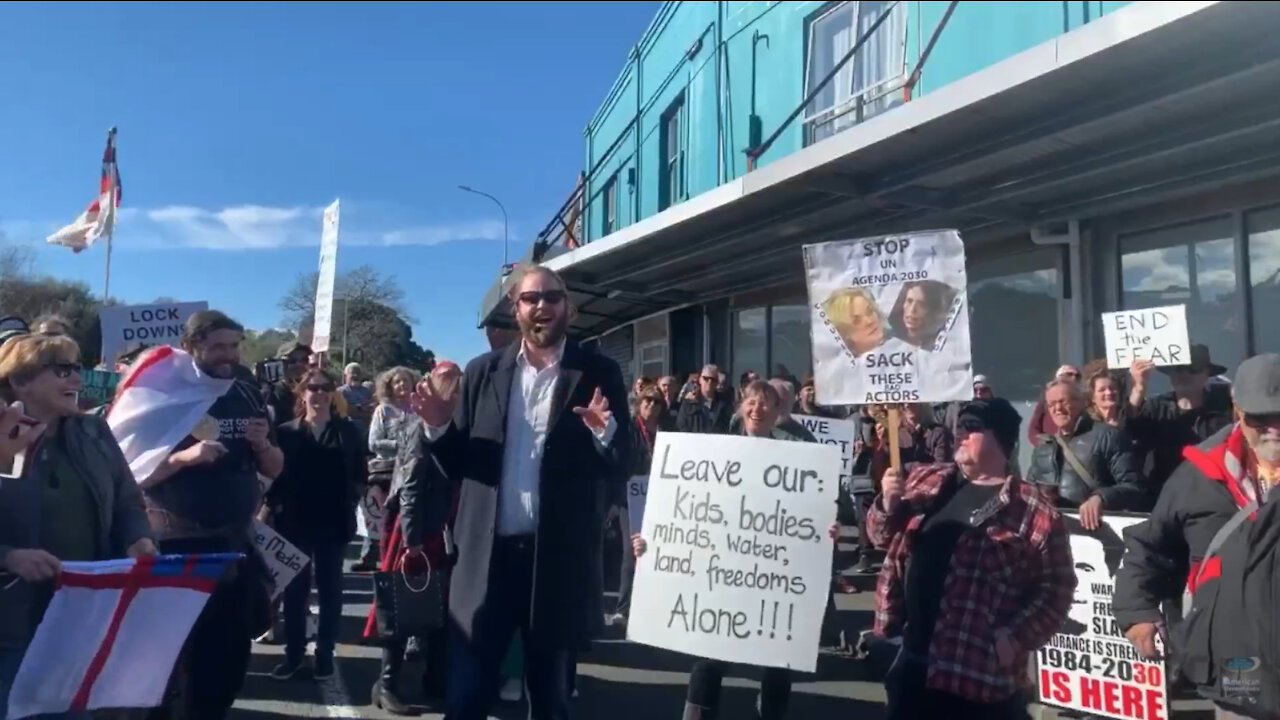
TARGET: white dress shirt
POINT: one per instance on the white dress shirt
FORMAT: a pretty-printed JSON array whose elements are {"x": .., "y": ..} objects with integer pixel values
[{"x": 527, "y": 424}]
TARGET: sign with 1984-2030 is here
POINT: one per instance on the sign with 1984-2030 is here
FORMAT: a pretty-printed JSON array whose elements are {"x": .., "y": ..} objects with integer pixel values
[{"x": 738, "y": 563}]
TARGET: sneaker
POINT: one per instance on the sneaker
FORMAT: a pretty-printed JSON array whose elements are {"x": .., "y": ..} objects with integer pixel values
[
  {"x": 413, "y": 649},
  {"x": 286, "y": 670},
  {"x": 615, "y": 620},
  {"x": 512, "y": 690},
  {"x": 324, "y": 667}
]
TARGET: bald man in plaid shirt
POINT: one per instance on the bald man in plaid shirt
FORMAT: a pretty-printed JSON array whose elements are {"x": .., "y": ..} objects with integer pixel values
[{"x": 978, "y": 576}]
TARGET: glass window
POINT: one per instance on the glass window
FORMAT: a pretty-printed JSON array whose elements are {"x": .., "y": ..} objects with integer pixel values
[
  {"x": 1018, "y": 362},
  {"x": 610, "y": 206},
  {"x": 748, "y": 343},
  {"x": 670, "y": 183},
  {"x": 789, "y": 345},
  {"x": 868, "y": 84},
  {"x": 1264, "y": 278},
  {"x": 1195, "y": 265},
  {"x": 653, "y": 360}
]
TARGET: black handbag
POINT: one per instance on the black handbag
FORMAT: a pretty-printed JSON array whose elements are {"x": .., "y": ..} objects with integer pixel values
[{"x": 407, "y": 606}]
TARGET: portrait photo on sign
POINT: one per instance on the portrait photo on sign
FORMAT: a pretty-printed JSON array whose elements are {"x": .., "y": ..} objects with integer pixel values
[{"x": 889, "y": 319}]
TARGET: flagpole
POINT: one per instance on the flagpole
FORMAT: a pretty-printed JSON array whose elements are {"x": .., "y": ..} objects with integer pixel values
[{"x": 111, "y": 231}]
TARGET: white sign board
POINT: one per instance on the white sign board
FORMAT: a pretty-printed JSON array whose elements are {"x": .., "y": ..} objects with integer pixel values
[
  {"x": 890, "y": 319},
  {"x": 283, "y": 560},
  {"x": 738, "y": 563},
  {"x": 324, "y": 288},
  {"x": 637, "y": 493},
  {"x": 1155, "y": 334},
  {"x": 155, "y": 324},
  {"x": 840, "y": 433},
  {"x": 1089, "y": 666}
]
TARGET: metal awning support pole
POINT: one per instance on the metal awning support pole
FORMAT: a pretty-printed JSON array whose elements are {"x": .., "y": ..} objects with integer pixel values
[{"x": 914, "y": 78}]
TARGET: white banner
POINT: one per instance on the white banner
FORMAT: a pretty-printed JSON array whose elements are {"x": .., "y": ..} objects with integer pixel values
[
  {"x": 637, "y": 494},
  {"x": 889, "y": 319},
  {"x": 840, "y": 433},
  {"x": 738, "y": 562},
  {"x": 1090, "y": 666},
  {"x": 155, "y": 324},
  {"x": 283, "y": 560},
  {"x": 1155, "y": 334},
  {"x": 324, "y": 288}
]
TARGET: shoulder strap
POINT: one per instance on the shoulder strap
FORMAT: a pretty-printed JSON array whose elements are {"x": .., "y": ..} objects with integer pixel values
[
  {"x": 1220, "y": 537},
  {"x": 1069, "y": 455}
]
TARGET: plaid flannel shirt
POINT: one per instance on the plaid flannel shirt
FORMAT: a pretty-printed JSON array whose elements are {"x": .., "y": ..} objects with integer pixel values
[{"x": 1015, "y": 573}]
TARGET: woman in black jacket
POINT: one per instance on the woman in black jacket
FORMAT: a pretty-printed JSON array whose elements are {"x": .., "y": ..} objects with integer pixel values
[{"x": 313, "y": 503}]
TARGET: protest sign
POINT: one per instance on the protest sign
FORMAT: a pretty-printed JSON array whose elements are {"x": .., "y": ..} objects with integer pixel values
[
  {"x": 283, "y": 560},
  {"x": 98, "y": 386},
  {"x": 890, "y": 319},
  {"x": 1156, "y": 334},
  {"x": 637, "y": 493},
  {"x": 738, "y": 563},
  {"x": 1089, "y": 666},
  {"x": 155, "y": 324},
  {"x": 840, "y": 433},
  {"x": 324, "y": 285}
]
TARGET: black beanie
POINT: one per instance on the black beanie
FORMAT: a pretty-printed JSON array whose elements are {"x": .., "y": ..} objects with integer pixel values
[{"x": 996, "y": 415}]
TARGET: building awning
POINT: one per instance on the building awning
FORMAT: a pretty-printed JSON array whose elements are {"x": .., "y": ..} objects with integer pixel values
[{"x": 1151, "y": 101}]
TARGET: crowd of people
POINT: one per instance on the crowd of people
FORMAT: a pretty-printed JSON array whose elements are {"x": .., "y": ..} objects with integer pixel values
[{"x": 452, "y": 466}]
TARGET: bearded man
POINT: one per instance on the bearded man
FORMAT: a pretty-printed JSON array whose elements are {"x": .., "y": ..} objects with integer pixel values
[{"x": 532, "y": 480}]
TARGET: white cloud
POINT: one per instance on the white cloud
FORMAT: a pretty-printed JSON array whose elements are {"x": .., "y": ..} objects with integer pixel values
[{"x": 259, "y": 227}]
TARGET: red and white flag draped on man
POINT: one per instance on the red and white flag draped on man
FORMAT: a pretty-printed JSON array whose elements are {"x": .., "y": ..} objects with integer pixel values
[
  {"x": 99, "y": 218},
  {"x": 158, "y": 403}
]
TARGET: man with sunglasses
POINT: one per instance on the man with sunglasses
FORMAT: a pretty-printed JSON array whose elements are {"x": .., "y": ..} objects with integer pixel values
[
  {"x": 296, "y": 357},
  {"x": 705, "y": 409},
  {"x": 1188, "y": 414},
  {"x": 540, "y": 428},
  {"x": 1219, "y": 476}
]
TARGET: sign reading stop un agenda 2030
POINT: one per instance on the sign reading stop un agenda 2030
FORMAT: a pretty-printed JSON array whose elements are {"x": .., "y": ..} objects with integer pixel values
[
  {"x": 738, "y": 562},
  {"x": 155, "y": 324},
  {"x": 1089, "y": 666},
  {"x": 889, "y": 319}
]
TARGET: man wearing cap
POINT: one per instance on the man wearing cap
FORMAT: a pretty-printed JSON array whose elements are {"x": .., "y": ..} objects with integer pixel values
[
  {"x": 1187, "y": 415},
  {"x": 1221, "y": 475},
  {"x": 296, "y": 356},
  {"x": 978, "y": 575}
]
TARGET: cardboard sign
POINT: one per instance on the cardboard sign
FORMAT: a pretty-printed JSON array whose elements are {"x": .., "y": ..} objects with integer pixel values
[
  {"x": 1089, "y": 666},
  {"x": 637, "y": 494},
  {"x": 738, "y": 563},
  {"x": 840, "y": 433},
  {"x": 1155, "y": 334},
  {"x": 324, "y": 286},
  {"x": 99, "y": 386},
  {"x": 890, "y": 319},
  {"x": 157, "y": 324},
  {"x": 283, "y": 560}
]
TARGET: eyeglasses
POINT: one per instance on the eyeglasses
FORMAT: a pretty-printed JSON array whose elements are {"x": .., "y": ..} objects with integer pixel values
[
  {"x": 550, "y": 297},
  {"x": 320, "y": 388},
  {"x": 64, "y": 370},
  {"x": 706, "y": 379}
]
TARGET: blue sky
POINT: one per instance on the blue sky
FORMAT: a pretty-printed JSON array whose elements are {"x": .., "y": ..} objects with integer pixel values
[{"x": 238, "y": 122}]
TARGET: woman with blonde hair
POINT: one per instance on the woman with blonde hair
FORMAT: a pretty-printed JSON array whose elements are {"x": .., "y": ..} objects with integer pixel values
[
  {"x": 856, "y": 316},
  {"x": 392, "y": 389},
  {"x": 70, "y": 496}
]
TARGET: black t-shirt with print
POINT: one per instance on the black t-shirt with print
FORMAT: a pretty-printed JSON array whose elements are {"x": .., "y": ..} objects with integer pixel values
[{"x": 226, "y": 492}]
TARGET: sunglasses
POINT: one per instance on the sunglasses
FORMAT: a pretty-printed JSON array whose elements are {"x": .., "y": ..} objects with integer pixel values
[
  {"x": 710, "y": 379},
  {"x": 320, "y": 388},
  {"x": 550, "y": 297},
  {"x": 64, "y": 370}
]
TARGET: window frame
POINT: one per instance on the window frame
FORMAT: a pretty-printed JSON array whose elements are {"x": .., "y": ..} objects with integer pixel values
[
  {"x": 609, "y": 213},
  {"x": 671, "y": 181}
]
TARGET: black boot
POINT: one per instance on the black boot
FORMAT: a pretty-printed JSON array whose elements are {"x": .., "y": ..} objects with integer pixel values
[{"x": 385, "y": 695}]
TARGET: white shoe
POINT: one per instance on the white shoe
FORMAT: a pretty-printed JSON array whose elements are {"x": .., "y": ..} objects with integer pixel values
[
  {"x": 512, "y": 690},
  {"x": 615, "y": 619}
]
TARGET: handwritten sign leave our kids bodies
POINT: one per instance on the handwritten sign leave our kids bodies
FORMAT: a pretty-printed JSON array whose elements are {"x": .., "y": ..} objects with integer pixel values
[
  {"x": 738, "y": 563},
  {"x": 890, "y": 319},
  {"x": 1156, "y": 334}
]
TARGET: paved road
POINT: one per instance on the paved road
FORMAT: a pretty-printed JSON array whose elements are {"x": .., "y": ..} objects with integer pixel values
[{"x": 617, "y": 680}]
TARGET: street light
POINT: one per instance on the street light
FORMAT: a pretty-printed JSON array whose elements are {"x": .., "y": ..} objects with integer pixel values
[{"x": 505, "y": 238}]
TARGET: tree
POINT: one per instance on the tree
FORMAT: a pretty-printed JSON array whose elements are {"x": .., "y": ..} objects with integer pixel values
[
  {"x": 379, "y": 339},
  {"x": 361, "y": 284},
  {"x": 260, "y": 345}
]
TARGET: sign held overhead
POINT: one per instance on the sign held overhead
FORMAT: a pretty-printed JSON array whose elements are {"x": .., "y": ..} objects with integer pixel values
[
  {"x": 1157, "y": 334},
  {"x": 154, "y": 324}
]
